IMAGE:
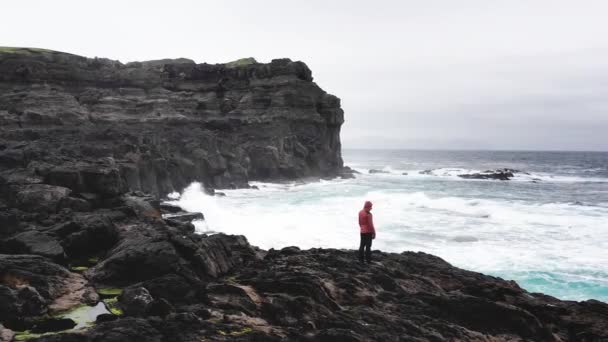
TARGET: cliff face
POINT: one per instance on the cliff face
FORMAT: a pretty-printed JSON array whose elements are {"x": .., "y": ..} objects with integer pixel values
[{"x": 157, "y": 126}]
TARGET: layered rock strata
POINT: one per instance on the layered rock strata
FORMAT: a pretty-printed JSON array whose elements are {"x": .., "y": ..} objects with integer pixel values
[{"x": 156, "y": 126}]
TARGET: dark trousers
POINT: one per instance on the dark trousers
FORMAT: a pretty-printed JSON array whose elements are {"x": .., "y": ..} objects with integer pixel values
[{"x": 366, "y": 242}]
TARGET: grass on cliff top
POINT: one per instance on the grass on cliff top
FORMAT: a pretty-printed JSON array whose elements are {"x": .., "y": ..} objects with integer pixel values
[
  {"x": 241, "y": 62},
  {"x": 22, "y": 50}
]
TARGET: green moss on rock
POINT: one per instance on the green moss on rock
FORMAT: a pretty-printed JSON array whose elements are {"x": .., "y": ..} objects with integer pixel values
[
  {"x": 241, "y": 62},
  {"x": 235, "y": 333},
  {"x": 27, "y": 335},
  {"x": 79, "y": 269},
  {"x": 112, "y": 306},
  {"x": 109, "y": 292}
]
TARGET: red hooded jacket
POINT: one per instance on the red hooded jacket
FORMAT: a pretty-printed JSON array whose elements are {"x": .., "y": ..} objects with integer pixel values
[{"x": 366, "y": 222}]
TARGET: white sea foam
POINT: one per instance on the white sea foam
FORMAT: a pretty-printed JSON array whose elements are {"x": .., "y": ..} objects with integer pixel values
[
  {"x": 453, "y": 174},
  {"x": 543, "y": 244}
]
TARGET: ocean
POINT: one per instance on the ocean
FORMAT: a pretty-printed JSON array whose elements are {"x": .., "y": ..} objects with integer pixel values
[{"x": 547, "y": 228}]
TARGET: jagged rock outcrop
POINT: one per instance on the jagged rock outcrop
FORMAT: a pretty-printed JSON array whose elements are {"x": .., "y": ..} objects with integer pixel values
[{"x": 99, "y": 126}]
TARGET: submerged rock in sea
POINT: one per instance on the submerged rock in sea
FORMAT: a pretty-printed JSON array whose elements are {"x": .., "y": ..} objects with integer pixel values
[{"x": 500, "y": 174}]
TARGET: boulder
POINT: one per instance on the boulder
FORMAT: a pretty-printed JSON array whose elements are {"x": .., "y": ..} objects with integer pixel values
[
  {"x": 33, "y": 285},
  {"x": 128, "y": 329},
  {"x": 173, "y": 288},
  {"x": 143, "y": 205},
  {"x": 169, "y": 208},
  {"x": 53, "y": 324},
  {"x": 135, "y": 301},
  {"x": 87, "y": 234},
  {"x": 35, "y": 242},
  {"x": 184, "y": 217},
  {"x": 40, "y": 197},
  {"x": 216, "y": 254},
  {"x": 140, "y": 255}
]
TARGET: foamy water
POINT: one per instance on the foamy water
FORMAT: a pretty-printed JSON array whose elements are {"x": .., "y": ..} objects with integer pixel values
[{"x": 551, "y": 236}]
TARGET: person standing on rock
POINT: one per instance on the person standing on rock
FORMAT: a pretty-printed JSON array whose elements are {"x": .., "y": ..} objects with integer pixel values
[{"x": 368, "y": 232}]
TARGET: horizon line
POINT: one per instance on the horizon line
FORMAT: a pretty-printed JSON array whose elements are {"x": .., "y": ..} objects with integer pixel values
[{"x": 465, "y": 149}]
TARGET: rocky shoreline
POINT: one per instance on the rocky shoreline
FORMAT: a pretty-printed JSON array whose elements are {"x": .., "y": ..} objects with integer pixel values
[
  {"x": 88, "y": 252},
  {"x": 159, "y": 281}
]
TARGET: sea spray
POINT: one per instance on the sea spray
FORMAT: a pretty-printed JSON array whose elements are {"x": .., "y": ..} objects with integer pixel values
[{"x": 549, "y": 236}]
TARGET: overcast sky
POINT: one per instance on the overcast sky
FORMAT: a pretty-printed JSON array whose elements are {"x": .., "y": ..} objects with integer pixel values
[{"x": 411, "y": 74}]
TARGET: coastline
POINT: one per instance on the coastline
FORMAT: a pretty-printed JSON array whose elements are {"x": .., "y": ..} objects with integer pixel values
[
  {"x": 87, "y": 148},
  {"x": 170, "y": 283}
]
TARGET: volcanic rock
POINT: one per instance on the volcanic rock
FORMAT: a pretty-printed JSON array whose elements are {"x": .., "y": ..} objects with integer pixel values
[
  {"x": 500, "y": 174},
  {"x": 373, "y": 171},
  {"x": 34, "y": 242},
  {"x": 100, "y": 126}
]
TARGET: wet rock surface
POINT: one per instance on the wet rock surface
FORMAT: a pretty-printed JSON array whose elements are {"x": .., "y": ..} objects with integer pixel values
[
  {"x": 81, "y": 138},
  {"x": 185, "y": 287},
  {"x": 500, "y": 174}
]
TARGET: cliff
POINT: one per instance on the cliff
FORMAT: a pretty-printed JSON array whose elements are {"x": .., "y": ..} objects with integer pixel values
[
  {"x": 85, "y": 257},
  {"x": 159, "y": 125}
]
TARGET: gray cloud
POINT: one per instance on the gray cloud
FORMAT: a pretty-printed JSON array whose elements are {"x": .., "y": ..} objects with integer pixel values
[{"x": 411, "y": 74}]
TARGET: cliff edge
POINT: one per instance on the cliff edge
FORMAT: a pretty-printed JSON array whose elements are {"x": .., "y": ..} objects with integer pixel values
[{"x": 159, "y": 125}]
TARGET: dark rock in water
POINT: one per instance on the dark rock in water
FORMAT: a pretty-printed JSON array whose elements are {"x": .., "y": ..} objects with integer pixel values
[
  {"x": 169, "y": 208},
  {"x": 372, "y": 171},
  {"x": 53, "y": 324},
  {"x": 105, "y": 318},
  {"x": 500, "y": 174},
  {"x": 183, "y": 227},
  {"x": 185, "y": 217},
  {"x": 220, "y": 194},
  {"x": 348, "y": 173},
  {"x": 254, "y": 187},
  {"x": 404, "y": 174},
  {"x": 426, "y": 172}
]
